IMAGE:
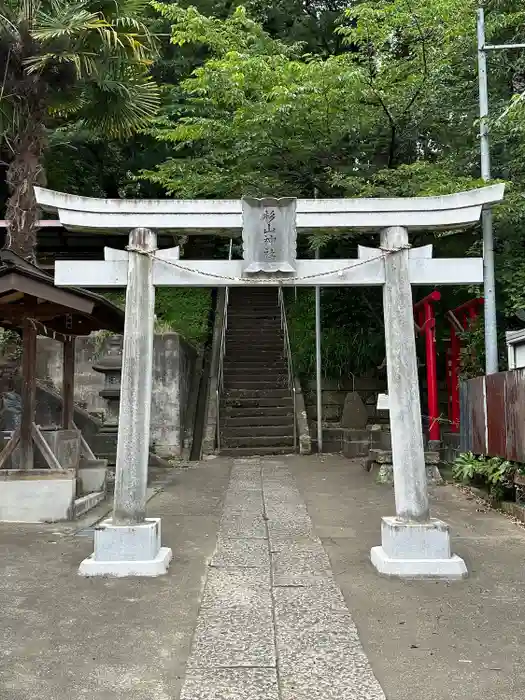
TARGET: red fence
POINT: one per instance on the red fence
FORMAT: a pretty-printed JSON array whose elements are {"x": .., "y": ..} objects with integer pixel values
[{"x": 493, "y": 415}]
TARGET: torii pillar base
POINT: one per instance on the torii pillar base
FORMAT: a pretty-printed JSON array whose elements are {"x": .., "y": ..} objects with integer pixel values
[
  {"x": 411, "y": 549},
  {"x": 127, "y": 550}
]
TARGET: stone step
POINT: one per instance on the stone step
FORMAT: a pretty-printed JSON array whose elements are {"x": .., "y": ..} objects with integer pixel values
[
  {"x": 258, "y": 441},
  {"x": 259, "y": 431},
  {"x": 255, "y": 360},
  {"x": 255, "y": 339},
  {"x": 266, "y": 380},
  {"x": 255, "y": 452},
  {"x": 242, "y": 394},
  {"x": 271, "y": 419},
  {"x": 255, "y": 315},
  {"x": 254, "y": 334},
  {"x": 259, "y": 384},
  {"x": 255, "y": 324},
  {"x": 254, "y": 368},
  {"x": 249, "y": 412},
  {"x": 247, "y": 353},
  {"x": 264, "y": 317},
  {"x": 247, "y": 347},
  {"x": 264, "y": 358},
  {"x": 248, "y": 310},
  {"x": 254, "y": 295}
]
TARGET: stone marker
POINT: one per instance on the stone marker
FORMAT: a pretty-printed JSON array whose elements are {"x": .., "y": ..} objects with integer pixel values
[{"x": 355, "y": 414}]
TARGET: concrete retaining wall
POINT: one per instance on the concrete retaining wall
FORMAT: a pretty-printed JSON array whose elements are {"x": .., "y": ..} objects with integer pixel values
[{"x": 173, "y": 367}]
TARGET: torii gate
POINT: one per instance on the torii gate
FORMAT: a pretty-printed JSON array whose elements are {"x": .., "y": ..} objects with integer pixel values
[{"x": 413, "y": 543}]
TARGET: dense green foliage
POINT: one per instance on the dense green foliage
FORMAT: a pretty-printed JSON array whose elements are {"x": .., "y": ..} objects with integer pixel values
[
  {"x": 322, "y": 98},
  {"x": 184, "y": 310}
]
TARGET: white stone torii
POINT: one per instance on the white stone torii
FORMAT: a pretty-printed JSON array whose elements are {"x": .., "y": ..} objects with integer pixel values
[{"x": 413, "y": 544}]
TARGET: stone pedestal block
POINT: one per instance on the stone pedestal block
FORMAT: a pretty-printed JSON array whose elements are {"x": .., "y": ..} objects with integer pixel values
[
  {"x": 92, "y": 474},
  {"x": 416, "y": 550},
  {"x": 127, "y": 550}
]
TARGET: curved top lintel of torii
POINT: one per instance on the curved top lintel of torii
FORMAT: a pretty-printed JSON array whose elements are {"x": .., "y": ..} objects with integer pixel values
[{"x": 222, "y": 215}]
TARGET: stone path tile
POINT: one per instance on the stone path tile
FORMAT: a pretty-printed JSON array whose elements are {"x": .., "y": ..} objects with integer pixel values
[
  {"x": 235, "y": 625},
  {"x": 320, "y": 656},
  {"x": 298, "y": 562},
  {"x": 243, "y": 525},
  {"x": 241, "y": 553},
  {"x": 271, "y": 604},
  {"x": 231, "y": 684}
]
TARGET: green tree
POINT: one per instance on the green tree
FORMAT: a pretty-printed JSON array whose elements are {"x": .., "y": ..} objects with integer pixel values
[
  {"x": 389, "y": 109},
  {"x": 83, "y": 62}
]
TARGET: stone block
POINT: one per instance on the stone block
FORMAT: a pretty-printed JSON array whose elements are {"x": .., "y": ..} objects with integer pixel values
[
  {"x": 127, "y": 542},
  {"x": 384, "y": 440},
  {"x": 84, "y": 504},
  {"x": 385, "y": 474},
  {"x": 356, "y": 448},
  {"x": 92, "y": 475},
  {"x": 127, "y": 550},
  {"x": 65, "y": 445},
  {"x": 36, "y": 495},
  {"x": 355, "y": 414},
  {"x": 414, "y": 540},
  {"x": 416, "y": 550}
]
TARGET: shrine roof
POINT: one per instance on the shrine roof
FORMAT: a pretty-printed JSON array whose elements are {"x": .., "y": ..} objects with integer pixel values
[{"x": 26, "y": 292}]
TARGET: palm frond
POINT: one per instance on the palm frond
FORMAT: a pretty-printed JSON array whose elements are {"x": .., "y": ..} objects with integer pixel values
[{"x": 120, "y": 106}]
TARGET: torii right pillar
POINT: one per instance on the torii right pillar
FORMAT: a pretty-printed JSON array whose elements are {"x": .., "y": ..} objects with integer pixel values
[{"x": 413, "y": 545}]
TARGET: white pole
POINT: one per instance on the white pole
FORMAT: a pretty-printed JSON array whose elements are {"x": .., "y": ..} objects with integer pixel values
[
  {"x": 135, "y": 398},
  {"x": 318, "y": 367},
  {"x": 489, "y": 282}
]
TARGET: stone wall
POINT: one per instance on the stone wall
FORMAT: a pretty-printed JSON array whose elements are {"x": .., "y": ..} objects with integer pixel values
[
  {"x": 173, "y": 367},
  {"x": 368, "y": 388},
  {"x": 334, "y": 393}
]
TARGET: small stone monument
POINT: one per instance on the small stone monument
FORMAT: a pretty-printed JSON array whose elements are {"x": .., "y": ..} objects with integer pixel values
[{"x": 355, "y": 414}]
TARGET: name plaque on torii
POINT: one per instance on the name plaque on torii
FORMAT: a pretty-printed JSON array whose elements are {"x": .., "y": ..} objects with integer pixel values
[{"x": 269, "y": 236}]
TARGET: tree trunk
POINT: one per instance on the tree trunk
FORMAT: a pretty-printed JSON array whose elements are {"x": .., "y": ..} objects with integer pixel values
[{"x": 24, "y": 172}]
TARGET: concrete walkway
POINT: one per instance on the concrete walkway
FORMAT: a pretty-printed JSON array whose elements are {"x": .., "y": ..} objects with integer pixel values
[{"x": 270, "y": 578}]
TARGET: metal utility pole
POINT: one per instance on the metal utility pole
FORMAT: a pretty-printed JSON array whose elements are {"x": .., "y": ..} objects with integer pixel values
[
  {"x": 318, "y": 367},
  {"x": 489, "y": 282}
]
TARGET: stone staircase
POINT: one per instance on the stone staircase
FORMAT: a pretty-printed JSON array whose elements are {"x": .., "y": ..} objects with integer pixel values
[{"x": 256, "y": 411}]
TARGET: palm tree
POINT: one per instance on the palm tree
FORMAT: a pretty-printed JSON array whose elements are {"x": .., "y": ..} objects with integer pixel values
[{"x": 84, "y": 63}]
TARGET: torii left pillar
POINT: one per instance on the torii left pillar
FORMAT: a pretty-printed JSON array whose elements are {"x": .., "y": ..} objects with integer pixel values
[{"x": 129, "y": 544}]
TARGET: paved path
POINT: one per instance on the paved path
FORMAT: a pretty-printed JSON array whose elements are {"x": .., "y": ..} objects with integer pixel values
[
  {"x": 251, "y": 607},
  {"x": 273, "y": 625}
]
